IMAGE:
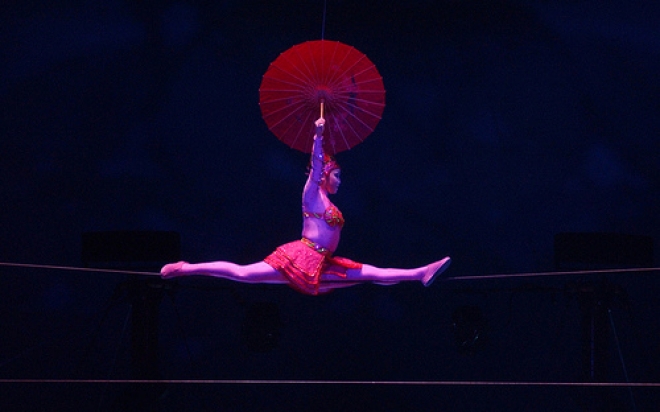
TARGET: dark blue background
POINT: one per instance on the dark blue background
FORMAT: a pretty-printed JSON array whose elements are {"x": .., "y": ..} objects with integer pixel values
[{"x": 506, "y": 122}]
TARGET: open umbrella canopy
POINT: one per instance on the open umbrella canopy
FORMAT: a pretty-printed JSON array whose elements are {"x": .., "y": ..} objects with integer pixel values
[{"x": 325, "y": 78}]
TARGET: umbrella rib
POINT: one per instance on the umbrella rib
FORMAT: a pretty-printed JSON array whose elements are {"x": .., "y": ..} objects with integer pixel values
[
  {"x": 371, "y": 80},
  {"x": 338, "y": 75},
  {"x": 352, "y": 115},
  {"x": 355, "y": 99},
  {"x": 297, "y": 135},
  {"x": 360, "y": 84},
  {"x": 346, "y": 90},
  {"x": 297, "y": 86},
  {"x": 284, "y": 118},
  {"x": 298, "y": 100},
  {"x": 359, "y": 88},
  {"x": 348, "y": 68},
  {"x": 350, "y": 94},
  {"x": 309, "y": 74},
  {"x": 296, "y": 76},
  {"x": 300, "y": 130},
  {"x": 292, "y": 114},
  {"x": 343, "y": 89},
  {"x": 328, "y": 78},
  {"x": 366, "y": 69},
  {"x": 371, "y": 102},
  {"x": 358, "y": 99},
  {"x": 297, "y": 73},
  {"x": 343, "y": 135},
  {"x": 314, "y": 72}
]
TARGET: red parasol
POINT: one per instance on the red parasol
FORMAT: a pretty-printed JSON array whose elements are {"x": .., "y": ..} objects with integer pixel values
[{"x": 327, "y": 79}]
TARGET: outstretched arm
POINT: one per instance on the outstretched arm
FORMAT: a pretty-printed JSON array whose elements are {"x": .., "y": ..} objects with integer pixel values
[{"x": 316, "y": 174}]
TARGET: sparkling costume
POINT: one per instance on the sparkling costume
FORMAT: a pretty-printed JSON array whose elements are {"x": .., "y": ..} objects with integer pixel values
[
  {"x": 303, "y": 262},
  {"x": 332, "y": 216}
]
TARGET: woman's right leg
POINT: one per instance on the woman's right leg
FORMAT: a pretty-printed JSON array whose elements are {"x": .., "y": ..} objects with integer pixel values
[{"x": 260, "y": 272}]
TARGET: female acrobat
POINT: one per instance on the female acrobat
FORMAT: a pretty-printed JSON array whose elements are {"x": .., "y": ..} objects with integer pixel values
[{"x": 308, "y": 264}]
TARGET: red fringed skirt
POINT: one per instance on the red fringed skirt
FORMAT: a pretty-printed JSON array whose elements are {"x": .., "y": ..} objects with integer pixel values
[{"x": 303, "y": 265}]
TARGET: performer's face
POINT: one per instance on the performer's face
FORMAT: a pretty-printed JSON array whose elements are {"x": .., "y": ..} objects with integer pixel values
[{"x": 332, "y": 181}]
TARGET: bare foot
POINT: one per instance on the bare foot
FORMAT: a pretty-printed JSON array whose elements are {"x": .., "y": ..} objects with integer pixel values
[
  {"x": 172, "y": 269},
  {"x": 434, "y": 269}
]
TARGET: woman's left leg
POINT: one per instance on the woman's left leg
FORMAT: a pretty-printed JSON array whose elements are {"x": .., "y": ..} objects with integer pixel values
[{"x": 389, "y": 276}]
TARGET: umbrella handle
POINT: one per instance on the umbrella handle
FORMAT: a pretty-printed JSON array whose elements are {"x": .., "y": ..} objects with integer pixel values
[{"x": 321, "y": 108}]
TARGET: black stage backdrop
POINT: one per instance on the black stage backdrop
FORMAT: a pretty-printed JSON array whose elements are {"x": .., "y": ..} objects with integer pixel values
[{"x": 507, "y": 123}]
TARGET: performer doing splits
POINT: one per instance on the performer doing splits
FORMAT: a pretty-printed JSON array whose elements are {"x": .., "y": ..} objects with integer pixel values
[{"x": 307, "y": 265}]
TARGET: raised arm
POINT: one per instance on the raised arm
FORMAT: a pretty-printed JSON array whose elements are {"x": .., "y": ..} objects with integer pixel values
[{"x": 311, "y": 191}]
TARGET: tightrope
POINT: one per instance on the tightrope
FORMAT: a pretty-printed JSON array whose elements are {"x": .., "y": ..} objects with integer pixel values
[
  {"x": 326, "y": 382},
  {"x": 446, "y": 279},
  {"x": 78, "y": 269},
  {"x": 549, "y": 274}
]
